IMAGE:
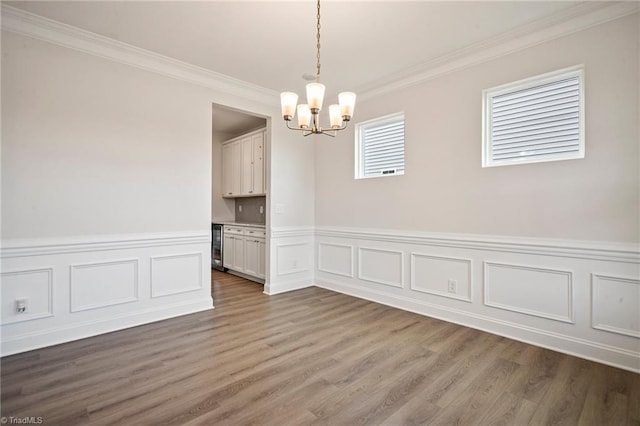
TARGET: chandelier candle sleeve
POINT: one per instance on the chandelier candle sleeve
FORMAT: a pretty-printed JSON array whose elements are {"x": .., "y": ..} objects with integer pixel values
[
  {"x": 347, "y": 102},
  {"x": 334, "y": 116},
  {"x": 304, "y": 116},
  {"x": 315, "y": 95},
  {"x": 289, "y": 101}
]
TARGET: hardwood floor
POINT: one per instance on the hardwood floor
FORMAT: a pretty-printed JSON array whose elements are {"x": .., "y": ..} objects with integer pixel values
[{"x": 310, "y": 357}]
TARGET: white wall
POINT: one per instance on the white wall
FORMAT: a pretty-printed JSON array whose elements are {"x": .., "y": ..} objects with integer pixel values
[
  {"x": 106, "y": 182},
  {"x": 544, "y": 253},
  {"x": 96, "y": 147},
  {"x": 445, "y": 189}
]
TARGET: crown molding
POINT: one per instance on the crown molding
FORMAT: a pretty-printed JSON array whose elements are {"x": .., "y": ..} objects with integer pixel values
[
  {"x": 574, "y": 19},
  {"x": 35, "y": 26}
]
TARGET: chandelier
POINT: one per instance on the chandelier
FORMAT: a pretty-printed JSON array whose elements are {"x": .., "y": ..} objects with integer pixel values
[{"x": 308, "y": 114}]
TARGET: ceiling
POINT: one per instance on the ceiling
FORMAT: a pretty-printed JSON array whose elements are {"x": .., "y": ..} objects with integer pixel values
[
  {"x": 364, "y": 44},
  {"x": 272, "y": 43}
]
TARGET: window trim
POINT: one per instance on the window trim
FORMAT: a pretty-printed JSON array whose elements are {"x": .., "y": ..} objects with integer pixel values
[
  {"x": 359, "y": 153},
  {"x": 527, "y": 83}
]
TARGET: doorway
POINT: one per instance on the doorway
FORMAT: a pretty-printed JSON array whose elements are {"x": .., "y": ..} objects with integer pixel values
[{"x": 236, "y": 137}]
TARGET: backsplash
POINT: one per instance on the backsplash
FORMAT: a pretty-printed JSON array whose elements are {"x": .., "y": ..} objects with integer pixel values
[{"x": 251, "y": 209}]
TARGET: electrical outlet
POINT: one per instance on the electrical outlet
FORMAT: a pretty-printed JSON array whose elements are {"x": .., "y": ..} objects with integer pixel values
[
  {"x": 452, "y": 286},
  {"x": 240, "y": 208},
  {"x": 21, "y": 306},
  {"x": 261, "y": 209}
]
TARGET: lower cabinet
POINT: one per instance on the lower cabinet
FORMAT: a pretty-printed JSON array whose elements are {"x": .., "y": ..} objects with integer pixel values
[
  {"x": 245, "y": 250},
  {"x": 233, "y": 256},
  {"x": 254, "y": 254}
]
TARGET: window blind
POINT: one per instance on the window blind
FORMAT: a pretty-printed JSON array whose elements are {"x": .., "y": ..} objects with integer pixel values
[
  {"x": 536, "y": 123},
  {"x": 383, "y": 147}
]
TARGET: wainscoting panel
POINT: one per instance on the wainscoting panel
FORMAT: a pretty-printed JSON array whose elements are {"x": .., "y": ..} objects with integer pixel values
[
  {"x": 291, "y": 262},
  {"x": 336, "y": 259},
  {"x": 616, "y": 304},
  {"x": 97, "y": 285},
  {"x": 293, "y": 258},
  {"x": 33, "y": 285},
  {"x": 176, "y": 273},
  {"x": 534, "y": 291},
  {"x": 435, "y": 274},
  {"x": 381, "y": 266},
  {"x": 81, "y": 287}
]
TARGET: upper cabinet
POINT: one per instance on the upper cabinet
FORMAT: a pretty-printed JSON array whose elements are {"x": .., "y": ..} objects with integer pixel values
[{"x": 243, "y": 165}]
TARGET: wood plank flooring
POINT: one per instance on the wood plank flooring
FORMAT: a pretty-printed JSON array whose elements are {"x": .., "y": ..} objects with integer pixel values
[{"x": 310, "y": 357}]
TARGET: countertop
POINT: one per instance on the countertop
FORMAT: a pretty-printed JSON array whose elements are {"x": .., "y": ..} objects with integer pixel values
[{"x": 250, "y": 225}]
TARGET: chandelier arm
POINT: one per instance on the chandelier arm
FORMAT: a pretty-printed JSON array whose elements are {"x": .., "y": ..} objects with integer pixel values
[{"x": 302, "y": 129}]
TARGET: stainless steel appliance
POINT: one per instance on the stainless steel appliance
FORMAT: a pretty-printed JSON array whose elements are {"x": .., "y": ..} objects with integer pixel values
[{"x": 217, "y": 240}]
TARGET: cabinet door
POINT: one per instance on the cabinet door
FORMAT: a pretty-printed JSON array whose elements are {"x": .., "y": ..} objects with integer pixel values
[
  {"x": 236, "y": 180},
  {"x": 251, "y": 259},
  {"x": 238, "y": 254},
  {"x": 231, "y": 169},
  {"x": 227, "y": 170},
  {"x": 257, "y": 145},
  {"x": 247, "y": 167},
  {"x": 228, "y": 252}
]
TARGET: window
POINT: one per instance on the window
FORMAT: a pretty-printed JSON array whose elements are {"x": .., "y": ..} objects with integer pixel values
[
  {"x": 534, "y": 120},
  {"x": 380, "y": 147}
]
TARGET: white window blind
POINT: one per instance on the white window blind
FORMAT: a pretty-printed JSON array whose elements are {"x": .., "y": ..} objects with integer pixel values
[
  {"x": 539, "y": 119},
  {"x": 380, "y": 147}
]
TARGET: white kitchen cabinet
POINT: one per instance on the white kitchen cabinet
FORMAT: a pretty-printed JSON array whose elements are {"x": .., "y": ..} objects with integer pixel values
[
  {"x": 245, "y": 250},
  {"x": 233, "y": 254},
  {"x": 252, "y": 256},
  {"x": 257, "y": 150},
  {"x": 228, "y": 251},
  {"x": 243, "y": 165},
  {"x": 231, "y": 169}
]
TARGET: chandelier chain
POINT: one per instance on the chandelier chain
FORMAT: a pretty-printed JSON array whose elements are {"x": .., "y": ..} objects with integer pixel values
[{"x": 318, "y": 45}]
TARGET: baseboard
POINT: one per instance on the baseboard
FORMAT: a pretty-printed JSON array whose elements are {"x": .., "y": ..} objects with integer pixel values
[
  {"x": 283, "y": 287},
  {"x": 75, "y": 331},
  {"x": 616, "y": 357}
]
